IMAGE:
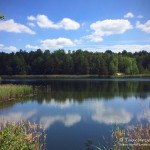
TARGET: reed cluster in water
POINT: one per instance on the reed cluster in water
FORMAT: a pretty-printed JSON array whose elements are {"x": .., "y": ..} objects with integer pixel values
[
  {"x": 22, "y": 135},
  {"x": 136, "y": 137},
  {"x": 10, "y": 91}
]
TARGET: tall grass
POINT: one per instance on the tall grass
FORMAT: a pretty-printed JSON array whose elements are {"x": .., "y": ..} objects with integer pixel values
[
  {"x": 10, "y": 91},
  {"x": 135, "y": 138}
]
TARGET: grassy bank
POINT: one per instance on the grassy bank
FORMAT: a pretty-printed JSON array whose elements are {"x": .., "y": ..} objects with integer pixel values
[
  {"x": 73, "y": 76},
  {"x": 10, "y": 91}
]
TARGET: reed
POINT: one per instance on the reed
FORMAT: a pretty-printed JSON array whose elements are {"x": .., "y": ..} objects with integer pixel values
[
  {"x": 135, "y": 138},
  {"x": 10, "y": 91},
  {"x": 22, "y": 135}
]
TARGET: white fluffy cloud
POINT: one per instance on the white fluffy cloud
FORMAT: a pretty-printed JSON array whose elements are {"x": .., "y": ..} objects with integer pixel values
[
  {"x": 11, "y": 26},
  {"x": 119, "y": 48},
  {"x": 56, "y": 43},
  {"x": 129, "y": 15},
  {"x": 108, "y": 27},
  {"x": 69, "y": 24},
  {"x": 31, "y": 47},
  {"x": 44, "y": 22},
  {"x": 31, "y": 18},
  {"x": 53, "y": 44},
  {"x": 7, "y": 48},
  {"x": 144, "y": 27}
]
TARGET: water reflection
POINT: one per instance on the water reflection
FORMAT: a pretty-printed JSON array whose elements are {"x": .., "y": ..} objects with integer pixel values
[
  {"x": 145, "y": 115},
  {"x": 59, "y": 104},
  {"x": 80, "y": 90},
  {"x": 17, "y": 116},
  {"x": 68, "y": 120},
  {"x": 75, "y": 111},
  {"x": 109, "y": 115}
]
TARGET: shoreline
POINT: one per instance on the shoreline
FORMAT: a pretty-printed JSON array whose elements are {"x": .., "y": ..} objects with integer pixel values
[{"x": 73, "y": 76}]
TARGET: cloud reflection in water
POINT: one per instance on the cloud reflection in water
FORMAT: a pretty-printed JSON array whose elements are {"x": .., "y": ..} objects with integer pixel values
[
  {"x": 144, "y": 115},
  {"x": 17, "y": 116},
  {"x": 65, "y": 104},
  {"x": 108, "y": 115},
  {"x": 68, "y": 120}
]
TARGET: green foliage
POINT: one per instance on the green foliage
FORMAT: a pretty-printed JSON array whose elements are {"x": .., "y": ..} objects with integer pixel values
[
  {"x": 113, "y": 65},
  {"x": 10, "y": 91},
  {"x": 22, "y": 136},
  {"x": 2, "y": 16},
  {"x": 73, "y": 62},
  {"x": 128, "y": 65}
]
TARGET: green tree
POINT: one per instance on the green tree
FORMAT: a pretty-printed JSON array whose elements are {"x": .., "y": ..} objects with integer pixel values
[
  {"x": 128, "y": 65},
  {"x": 18, "y": 64}
]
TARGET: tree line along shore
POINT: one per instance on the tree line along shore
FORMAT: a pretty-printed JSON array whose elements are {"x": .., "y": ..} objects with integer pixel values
[{"x": 75, "y": 63}]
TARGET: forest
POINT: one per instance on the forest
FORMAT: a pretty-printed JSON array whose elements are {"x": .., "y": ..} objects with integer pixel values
[{"x": 77, "y": 62}]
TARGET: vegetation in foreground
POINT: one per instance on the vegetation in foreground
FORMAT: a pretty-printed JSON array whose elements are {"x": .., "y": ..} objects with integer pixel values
[
  {"x": 10, "y": 91},
  {"x": 135, "y": 138},
  {"x": 22, "y": 136}
]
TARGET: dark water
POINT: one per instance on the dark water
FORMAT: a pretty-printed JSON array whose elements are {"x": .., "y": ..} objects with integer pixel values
[{"x": 74, "y": 111}]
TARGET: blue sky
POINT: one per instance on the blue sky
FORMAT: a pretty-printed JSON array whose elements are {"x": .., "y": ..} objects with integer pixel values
[{"x": 94, "y": 25}]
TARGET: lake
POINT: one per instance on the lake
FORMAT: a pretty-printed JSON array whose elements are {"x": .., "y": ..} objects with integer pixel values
[{"x": 75, "y": 111}]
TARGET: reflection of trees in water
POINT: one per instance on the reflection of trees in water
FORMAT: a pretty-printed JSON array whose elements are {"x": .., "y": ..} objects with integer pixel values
[
  {"x": 8, "y": 104},
  {"x": 81, "y": 90}
]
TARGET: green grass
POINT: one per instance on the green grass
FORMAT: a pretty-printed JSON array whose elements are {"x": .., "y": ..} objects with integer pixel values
[{"x": 10, "y": 91}]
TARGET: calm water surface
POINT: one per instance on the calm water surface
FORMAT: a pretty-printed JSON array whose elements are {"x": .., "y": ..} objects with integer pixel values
[{"x": 74, "y": 111}]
